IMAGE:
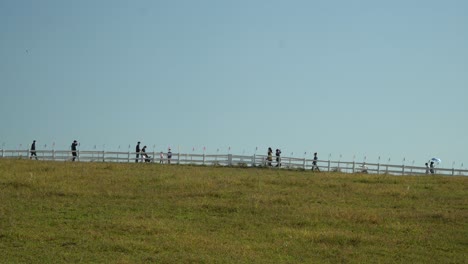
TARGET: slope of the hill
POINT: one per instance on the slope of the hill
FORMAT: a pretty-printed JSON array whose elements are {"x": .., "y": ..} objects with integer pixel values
[{"x": 64, "y": 212}]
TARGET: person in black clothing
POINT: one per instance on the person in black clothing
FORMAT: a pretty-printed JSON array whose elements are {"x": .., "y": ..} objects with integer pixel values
[
  {"x": 270, "y": 156},
  {"x": 432, "y": 167},
  {"x": 314, "y": 163},
  {"x": 144, "y": 155},
  {"x": 73, "y": 149},
  {"x": 137, "y": 150},
  {"x": 33, "y": 150},
  {"x": 169, "y": 156},
  {"x": 278, "y": 158}
]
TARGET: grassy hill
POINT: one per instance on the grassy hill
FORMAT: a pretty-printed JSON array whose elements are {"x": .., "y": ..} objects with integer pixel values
[{"x": 63, "y": 212}]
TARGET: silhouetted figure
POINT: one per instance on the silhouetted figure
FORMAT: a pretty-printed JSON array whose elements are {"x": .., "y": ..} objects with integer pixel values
[
  {"x": 270, "y": 156},
  {"x": 145, "y": 156},
  {"x": 73, "y": 149},
  {"x": 169, "y": 156},
  {"x": 33, "y": 150},
  {"x": 278, "y": 158},
  {"x": 137, "y": 150},
  {"x": 432, "y": 167},
  {"x": 427, "y": 168},
  {"x": 314, "y": 163}
]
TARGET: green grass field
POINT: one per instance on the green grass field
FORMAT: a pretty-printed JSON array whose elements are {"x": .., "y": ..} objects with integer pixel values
[{"x": 64, "y": 212}]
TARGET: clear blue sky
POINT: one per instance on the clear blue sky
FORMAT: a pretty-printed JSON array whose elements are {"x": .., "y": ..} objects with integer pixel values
[{"x": 351, "y": 78}]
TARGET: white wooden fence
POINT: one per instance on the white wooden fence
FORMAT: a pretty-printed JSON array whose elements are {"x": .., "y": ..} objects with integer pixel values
[{"x": 231, "y": 160}]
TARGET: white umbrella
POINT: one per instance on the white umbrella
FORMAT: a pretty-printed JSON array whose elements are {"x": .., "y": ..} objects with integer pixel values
[{"x": 435, "y": 160}]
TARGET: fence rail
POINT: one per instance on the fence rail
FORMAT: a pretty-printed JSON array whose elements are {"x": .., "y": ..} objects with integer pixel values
[{"x": 230, "y": 160}]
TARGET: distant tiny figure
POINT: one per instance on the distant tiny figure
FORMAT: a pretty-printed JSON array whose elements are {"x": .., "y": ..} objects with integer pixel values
[
  {"x": 169, "y": 156},
  {"x": 427, "y": 168},
  {"x": 161, "y": 158},
  {"x": 33, "y": 150},
  {"x": 145, "y": 156},
  {"x": 137, "y": 150},
  {"x": 432, "y": 167},
  {"x": 364, "y": 168},
  {"x": 73, "y": 149},
  {"x": 314, "y": 163},
  {"x": 278, "y": 158},
  {"x": 270, "y": 156}
]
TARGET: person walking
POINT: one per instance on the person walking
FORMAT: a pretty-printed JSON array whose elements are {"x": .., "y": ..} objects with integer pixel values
[
  {"x": 144, "y": 156},
  {"x": 73, "y": 149},
  {"x": 169, "y": 156},
  {"x": 314, "y": 163},
  {"x": 33, "y": 150},
  {"x": 161, "y": 158},
  {"x": 431, "y": 166},
  {"x": 137, "y": 151},
  {"x": 270, "y": 156},
  {"x": 278, "y": 158}
]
